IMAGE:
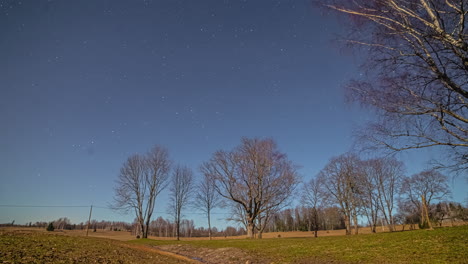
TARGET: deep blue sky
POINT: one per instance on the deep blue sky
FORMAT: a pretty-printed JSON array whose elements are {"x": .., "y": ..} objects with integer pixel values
[{"x": 85, "y": 84}]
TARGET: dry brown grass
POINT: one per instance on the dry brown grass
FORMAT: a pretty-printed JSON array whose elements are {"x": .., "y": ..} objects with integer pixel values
[
  {"x": 28, "y": 245},
  {"x": 126, "y": 236}
]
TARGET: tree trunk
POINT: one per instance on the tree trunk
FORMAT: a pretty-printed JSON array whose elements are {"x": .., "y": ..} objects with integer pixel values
[
  {"x": 356, "y": 227},
  {"x": 145, "y": 231},
  {"x": 348, "y": 225},
  {"x": 316, "y": 224},
  {"x": 209, "y": 225},
  {"x": 373, "y": 227},
  {"x": 426, "y": 212},
  {"x": 250, "y": 230},
  {"x": 142, "y": 226},
  {"x": 145, "y": 235},
  {"x": 391, "y": 224},
  {"x": 260, "y": 234}
]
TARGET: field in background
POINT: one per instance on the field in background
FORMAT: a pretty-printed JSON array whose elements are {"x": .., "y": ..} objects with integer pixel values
[{"x": 126, "y": 236}]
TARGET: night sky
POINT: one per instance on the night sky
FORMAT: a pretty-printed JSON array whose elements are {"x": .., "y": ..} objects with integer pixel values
[{"x": 85, "y": 84}]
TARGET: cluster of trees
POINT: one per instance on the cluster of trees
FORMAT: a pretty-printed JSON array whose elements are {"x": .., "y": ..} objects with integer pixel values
[
  {"x": 303, "y": 218},
  {"x": 415, "y": 81},
  {"x": 255, "y": 179},
  {"x": 415, "y": 69},
  {"x": 372, "y": 189}
]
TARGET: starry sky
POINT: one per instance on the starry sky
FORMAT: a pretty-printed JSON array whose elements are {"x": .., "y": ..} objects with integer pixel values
[{"x": 85, "y": 84}]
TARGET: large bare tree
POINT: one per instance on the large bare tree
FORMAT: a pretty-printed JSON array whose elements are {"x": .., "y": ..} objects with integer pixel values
[
  {"x": 206, "y": 198},
  {"x": 255, "y": 176},
  {"x": 141, "y": 179},
  {"x": 424, "y": 187},
  {"x": 341, "y": 179},
  {"x": 180, "y": 193},
  {"x": 417, "y": 72}
]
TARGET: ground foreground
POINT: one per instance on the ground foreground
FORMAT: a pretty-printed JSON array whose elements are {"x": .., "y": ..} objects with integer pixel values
[
  {"x": 27, "y": 246},
  {"x": 443, "y": 245}
]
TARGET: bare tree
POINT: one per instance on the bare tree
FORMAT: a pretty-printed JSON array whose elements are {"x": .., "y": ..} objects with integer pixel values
[
  {"x": 206, "y": 198},
  {"x": 255, "y": 176},
  {"x": 417, "y": 79},
  {"x": 383, "y": 177},
  {"x": 157, "y": 172},
  {"x": 389, "y": 175},
  {"x": 313, "y": 196},
  {"x": 424, "y": 187},
  {"x": 340, "y": 179},
  {"x": 180, "y": 193},
  {"x": 62, "y": 223},
  {"x": 370, "y": 194},
  {"x": 140, "y": 181}
]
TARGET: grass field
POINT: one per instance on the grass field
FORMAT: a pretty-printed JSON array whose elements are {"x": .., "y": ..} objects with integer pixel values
[{"x": 443, "y": 245}]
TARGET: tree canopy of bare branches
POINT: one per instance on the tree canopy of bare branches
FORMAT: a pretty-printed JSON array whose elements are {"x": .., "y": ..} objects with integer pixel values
[
  {"x": 424, "y": 187},
  {"x": 141, "y": 179},
  {"x": 255, "y": 175},
  {"x": 313, "y": 195},
  {"x": 341, "y": 179},
  {"x": 180, "y": 193},
  {"x": 206, "y": 198},
  {"x": 417, "y": 78},
  {"x": 382, "y": 178}
]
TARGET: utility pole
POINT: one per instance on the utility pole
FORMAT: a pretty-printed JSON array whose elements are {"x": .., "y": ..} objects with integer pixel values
[{"x": 89, "y": 219}]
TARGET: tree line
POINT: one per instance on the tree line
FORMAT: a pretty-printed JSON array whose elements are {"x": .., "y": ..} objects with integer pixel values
[
  {"x": 64, "y": 223},
  {"x": 379, "y": 191},
  {"x": 160, "y": 227},
  {"x": 303, "y": 218},
  {"x": 257, "y": 183}
]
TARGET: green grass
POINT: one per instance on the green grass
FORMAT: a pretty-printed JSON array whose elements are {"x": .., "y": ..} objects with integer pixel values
[
  {"x": 40, "y": 247},
  {"x": 443, "y": 245}
]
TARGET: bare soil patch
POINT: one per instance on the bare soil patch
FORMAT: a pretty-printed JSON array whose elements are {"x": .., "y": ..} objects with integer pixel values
[{"x": 227, "y": 255}]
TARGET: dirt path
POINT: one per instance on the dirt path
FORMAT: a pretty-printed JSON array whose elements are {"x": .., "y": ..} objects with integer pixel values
[
  {"x": 213, "y": 256},
  {"x": 162, "y": 252}
]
